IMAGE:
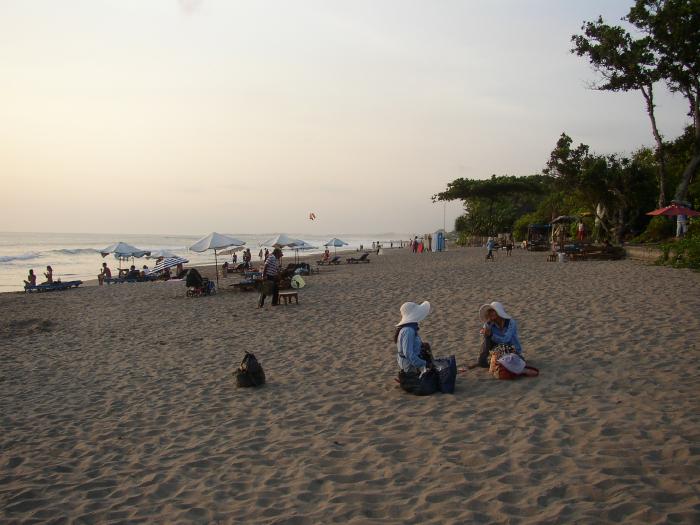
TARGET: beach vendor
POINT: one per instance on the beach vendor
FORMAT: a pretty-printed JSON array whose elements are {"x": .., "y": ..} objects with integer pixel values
[
  {"x": 31, "y": 279},
  {"x": 271, "y": 278},
  {"x": 499, "y": 329},
  {"x": 413, "y": 355}
]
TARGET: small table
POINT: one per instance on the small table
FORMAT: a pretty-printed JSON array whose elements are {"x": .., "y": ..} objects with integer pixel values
[{"x": 288, "y": 296}]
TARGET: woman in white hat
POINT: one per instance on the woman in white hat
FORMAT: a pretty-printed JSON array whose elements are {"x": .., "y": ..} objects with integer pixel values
[
  {"x": 413, "y": 355},
  {"x": 499, "y": 329}
]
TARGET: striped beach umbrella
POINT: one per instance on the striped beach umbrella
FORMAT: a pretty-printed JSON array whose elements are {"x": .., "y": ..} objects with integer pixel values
[{"x": 168, "y": 262}]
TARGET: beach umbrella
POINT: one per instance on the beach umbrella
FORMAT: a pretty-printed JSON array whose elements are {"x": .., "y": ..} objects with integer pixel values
[
  {"x": 281, "y": 241},
  {"x": 674, "y": 209},
  {"x": 335, "y": 242},
  {"x": 168, "y": 262},
  {"x": 215, "y": 241},
  {"x": 157, "y": 254},
  {"x": 302, "y": 245},
  {"x": 123, "y": 251}
]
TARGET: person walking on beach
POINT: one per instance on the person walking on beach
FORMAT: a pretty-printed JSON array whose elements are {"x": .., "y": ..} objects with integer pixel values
[
  {"x": 31, "y": 279},
  {"x": 490, "y": 244},
  {"x": 580, "y": 231},
  {"x": 413, "y": 355},
  {"x": 267, "y": 254},
  {"x": 271, "y": 278},
  {"x": 105, "y": 273},
  {"x": 260, "y": 254},
  {"x": 499, "y": 329}
]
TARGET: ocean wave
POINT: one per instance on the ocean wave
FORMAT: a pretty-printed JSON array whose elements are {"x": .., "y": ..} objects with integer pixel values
[
  {"x": 74, "y": 251},
  {"x": 22, "y": 257}
]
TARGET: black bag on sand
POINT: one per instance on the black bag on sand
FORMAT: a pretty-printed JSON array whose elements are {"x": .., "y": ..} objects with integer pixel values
[
  {"x": 250, "y": 373},
  {"x": 447, "y": 373},
  {"x": 419, "y": 384}
]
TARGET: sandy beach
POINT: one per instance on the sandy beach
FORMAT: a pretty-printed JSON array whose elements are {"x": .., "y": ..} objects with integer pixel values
[{"x": 118, "y": 402}]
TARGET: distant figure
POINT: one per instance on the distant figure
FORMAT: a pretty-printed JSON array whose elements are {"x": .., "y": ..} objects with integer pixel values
[
  {"x": 379, "y": 247},
  {"x": 430, "y": 243},
  {"x": 681, "y": 226},
  {"x": 580, "y": 231},
  {"x": 421, "y": 247},
  {"x": 31, "y": 279},
  {"x": 391, "y": 244},
  {"x": 260, "y": 254},
  {"x": 105, "y": 273},
  {"x": 234, "y": 258},
  {"x": 509, "y": 246},
  {"x": 267, "y": 254},
  {"x": 224, "y": 269},
  {"x": 179, "y": 269},
  {"x": 49, "y": 275},
  {"x": 490, "y": 244},
  {"x": 373, "y": 245},
  {"x": 144, "y": 271},
  {"x": 271, "y": 277},
  {"x": 415, "y": 244},
  {"x": 133, "y": 274},
  {"x": 326, "y": 255}
]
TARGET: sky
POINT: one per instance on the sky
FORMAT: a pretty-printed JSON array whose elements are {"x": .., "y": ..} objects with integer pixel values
[{"x": 188, "y": 116}]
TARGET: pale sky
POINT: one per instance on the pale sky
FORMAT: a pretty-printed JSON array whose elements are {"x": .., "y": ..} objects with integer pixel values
[{"x": 187, "y": 116}]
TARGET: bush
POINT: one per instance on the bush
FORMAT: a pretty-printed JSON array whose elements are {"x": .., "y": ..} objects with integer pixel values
[
  {"x": 659, "y": 229},
  {"x": 682, "y": 253}
]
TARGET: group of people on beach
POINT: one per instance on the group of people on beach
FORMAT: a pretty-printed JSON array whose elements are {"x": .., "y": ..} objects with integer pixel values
[
  {"x": 500, "y": 351},
  {"x": 31, "y": 277}
]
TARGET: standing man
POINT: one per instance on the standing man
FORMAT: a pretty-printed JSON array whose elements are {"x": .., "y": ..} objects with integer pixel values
[{"x": 271, "y": 275}]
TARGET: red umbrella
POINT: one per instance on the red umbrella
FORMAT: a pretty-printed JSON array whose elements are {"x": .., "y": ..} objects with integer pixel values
[{"x": 675, "y": 209}]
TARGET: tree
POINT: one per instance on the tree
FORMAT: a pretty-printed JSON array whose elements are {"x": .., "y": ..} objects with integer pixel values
[
  {"x": 624, "y": 64},
  {"x": 493, "y": 205},
  {"x": 673, "y": 28}
]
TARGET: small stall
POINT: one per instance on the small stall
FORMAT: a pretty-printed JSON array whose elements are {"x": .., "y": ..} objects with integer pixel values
[{"x": 538, "y": 237}]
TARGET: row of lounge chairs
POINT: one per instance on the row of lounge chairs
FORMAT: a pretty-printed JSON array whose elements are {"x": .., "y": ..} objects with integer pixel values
[
  {"x": 52, "y": 287},
  {"x": 364, "y": 258}
]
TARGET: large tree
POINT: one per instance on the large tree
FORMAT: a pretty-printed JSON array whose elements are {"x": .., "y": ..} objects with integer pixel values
[
  {"x": 625, "y": 64},
  {"x": 673, "y": 28},
  {"x": 668, "y": 51}
]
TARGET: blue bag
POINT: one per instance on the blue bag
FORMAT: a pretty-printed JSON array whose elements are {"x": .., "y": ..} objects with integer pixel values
[{"x": 446, "y": 368}]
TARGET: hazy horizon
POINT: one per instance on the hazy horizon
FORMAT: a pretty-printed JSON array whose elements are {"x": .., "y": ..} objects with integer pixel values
[{"x": 184, "y": 117}]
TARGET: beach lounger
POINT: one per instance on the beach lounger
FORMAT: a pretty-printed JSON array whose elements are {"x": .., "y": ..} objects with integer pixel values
[
  {"x": 362, "y": 259},
  {"x": 334, "y": 260},
  {"x": 58, "y": 286},
  {"x": 246, "y": 285}
]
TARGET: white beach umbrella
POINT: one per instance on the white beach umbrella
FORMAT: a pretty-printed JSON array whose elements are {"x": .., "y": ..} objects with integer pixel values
[
  {"x": 122, "y": 251},
  {"x": 215, "y": 241},
  {"x": 335, "y": 242},
  {"x": 157, "y": 254},
  {"x": 302, "y": 245},
  {"x": 168, "y": 262},
  {"x": 281, "y": 241}
]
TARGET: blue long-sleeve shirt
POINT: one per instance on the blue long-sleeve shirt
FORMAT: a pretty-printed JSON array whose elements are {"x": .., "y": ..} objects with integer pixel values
[
  {"x": 408, "y": 346},
  {"x": 509, "y": 335}
]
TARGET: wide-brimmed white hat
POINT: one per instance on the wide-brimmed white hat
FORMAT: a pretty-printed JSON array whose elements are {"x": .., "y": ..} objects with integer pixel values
[
  {"x": 413, "y": 313},
  {"x": 513, "y": 363},
  {"x": 495, "y": 305}
]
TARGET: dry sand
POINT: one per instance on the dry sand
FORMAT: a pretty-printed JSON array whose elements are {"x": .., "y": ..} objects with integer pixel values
[{"x": 117, "y": 403}]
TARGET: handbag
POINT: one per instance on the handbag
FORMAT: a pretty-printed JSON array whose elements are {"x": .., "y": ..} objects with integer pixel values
[
  {"x": 496, "y": 369},
  {"x": 250, "y": 372}
]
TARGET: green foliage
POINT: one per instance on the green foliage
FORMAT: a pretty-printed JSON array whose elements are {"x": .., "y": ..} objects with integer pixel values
[
  {"x": 683, "y": 253},
  {"x": 659, "y": 229}
]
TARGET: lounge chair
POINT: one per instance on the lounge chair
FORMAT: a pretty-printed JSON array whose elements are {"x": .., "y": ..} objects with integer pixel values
[
  {"x": 57, "y": 286},
  {"x": 334, "y": 260},
  {"x": 362, "y": 259}
]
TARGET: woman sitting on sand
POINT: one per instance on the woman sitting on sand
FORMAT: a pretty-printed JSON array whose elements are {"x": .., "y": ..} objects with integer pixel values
[
  {"x": 499, "y": 329},
  {"x": 413, "y": 355}
]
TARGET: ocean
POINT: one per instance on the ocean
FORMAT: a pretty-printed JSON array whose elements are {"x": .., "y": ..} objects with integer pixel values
[{"x": 76, "y": 256}]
